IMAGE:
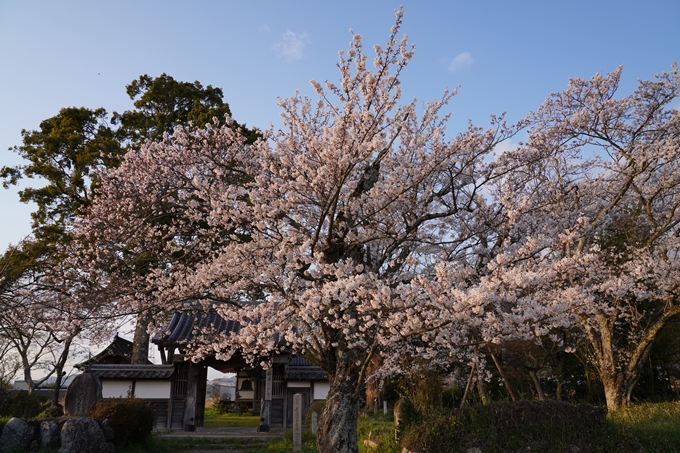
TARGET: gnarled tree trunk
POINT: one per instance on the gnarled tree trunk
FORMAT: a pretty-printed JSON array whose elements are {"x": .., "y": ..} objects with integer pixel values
[
  {"x": 337, "y": 431},
  {"x": 140, "y": 342}
]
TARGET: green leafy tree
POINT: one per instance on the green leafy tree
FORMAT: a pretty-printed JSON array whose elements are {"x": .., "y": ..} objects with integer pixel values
[
  {"x": 69, "y": 149},
  {"x": 65, "y": 152},
  {"x": 162, "y": 104}
]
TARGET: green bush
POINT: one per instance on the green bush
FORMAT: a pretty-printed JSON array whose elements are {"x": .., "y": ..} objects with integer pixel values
[
  {"x": 548, "y": 426},
  {"x": 22, "y": 404},
  {"x": 409, "y": 416},
  {"x": 131, "y": 419},
  {"x": 226, "y": 406},
  {"x": 316, "y": 406},
  {"x": 52, "y": 412}
]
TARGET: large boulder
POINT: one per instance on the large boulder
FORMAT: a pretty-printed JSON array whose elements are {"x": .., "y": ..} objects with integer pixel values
[
  {"x": 50, "y": 434},
  {"x": 18, "y": 435},
  {"x": 107, "y": 429},
  {"x": 84, "y": 435}
]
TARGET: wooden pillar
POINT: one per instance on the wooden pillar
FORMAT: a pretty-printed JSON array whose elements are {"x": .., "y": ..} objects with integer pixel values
[
  {"x": 201, "y": 387},
  {"x": 266, "y": 409},
  {"x": 192, "y": 398}
]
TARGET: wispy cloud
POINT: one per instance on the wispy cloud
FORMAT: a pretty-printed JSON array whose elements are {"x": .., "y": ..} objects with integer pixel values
[
  {"x": 292, "y": 47},
  {"x": 503, "y": 147},
  {"x": 461, "y": 61}
]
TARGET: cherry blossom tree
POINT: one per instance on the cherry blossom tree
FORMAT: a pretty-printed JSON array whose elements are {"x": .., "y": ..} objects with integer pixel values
[
  {"x": 40, "y": 315},
  {"x": 322, "y": 237},
  {"x": 594, "y": 235}
]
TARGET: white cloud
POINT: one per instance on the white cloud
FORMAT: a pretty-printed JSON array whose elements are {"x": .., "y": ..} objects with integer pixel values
[
  {"x": 292, "y": 47},
  {"x": 503, "y": 147},
  {"x": 461, "y": 61}
]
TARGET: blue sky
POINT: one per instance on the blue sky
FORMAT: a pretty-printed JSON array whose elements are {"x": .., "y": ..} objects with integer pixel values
[{"x": 507, "y": 56}]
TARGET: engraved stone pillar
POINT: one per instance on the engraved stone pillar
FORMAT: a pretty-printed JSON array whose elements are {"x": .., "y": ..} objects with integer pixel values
[
  {"x": 266, "y": 409},
  {"x": 297, "y": 422},
  {"x": 315, "y": 422}
]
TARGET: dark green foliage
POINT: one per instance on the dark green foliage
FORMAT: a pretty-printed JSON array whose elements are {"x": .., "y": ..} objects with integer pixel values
[
  {"x": 223, "y": 405},
  {"x": 65, "y": 152},
  {"x": 130, "y": 418},
  {"x": 162, "y": 104},
  {"x": 22, "y": 404},
  {"x": 316, "y": 406},
  {"x": 409, "y": 416},
  {"x": 450, "y": 398},
  {"x": 548, "y": 426},
  {"x": 52, "y": 412},
  {"x": 227, "y": 406}
]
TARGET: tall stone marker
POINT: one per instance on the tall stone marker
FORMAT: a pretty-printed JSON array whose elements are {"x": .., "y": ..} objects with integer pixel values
[
  {"x": 266, "y": 409},
  {"x": 84, "y": 392},
  {"x": 297, "y": 422},
  {"x": 315, "y": 422}
]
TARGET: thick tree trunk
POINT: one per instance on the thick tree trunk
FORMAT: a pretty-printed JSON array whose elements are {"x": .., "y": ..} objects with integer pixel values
[
  {"x": 373, "y": 389},
  {"x": 337, "y": 431},
  {"x": 140, "y": 342},
  {"x": 613, "y": 391}
]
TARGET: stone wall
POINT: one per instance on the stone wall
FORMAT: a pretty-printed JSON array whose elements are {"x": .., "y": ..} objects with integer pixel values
[{"x": 71, "y": 435}]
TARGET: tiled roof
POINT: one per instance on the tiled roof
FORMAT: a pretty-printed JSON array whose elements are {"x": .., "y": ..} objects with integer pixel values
[
  {"x": 184, "y": 326},
  {"x": 310, "y": 373},
  {"x": 299, "y": 369},
  {"x": 131, "y": 371},
  {"x": 119, "y": 348}
]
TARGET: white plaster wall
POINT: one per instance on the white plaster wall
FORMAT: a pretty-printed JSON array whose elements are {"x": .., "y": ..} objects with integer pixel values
[
  {"x": 298, "y": 384},
  {"x": 246, "y": 394},
  {"x": 152, "y": 389},
  {"x": 115, "y": 388},
  {"x": 321, "y": 390}
]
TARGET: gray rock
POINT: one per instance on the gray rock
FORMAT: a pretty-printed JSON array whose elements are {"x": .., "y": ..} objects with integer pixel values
[
  {"x": 50, "y": 434},
  {"x": 84, "y": 392},
  {"x": 84, "y": 435},
  {"x": 107, "y": 429},
  {"x": 18, "y": 434}
]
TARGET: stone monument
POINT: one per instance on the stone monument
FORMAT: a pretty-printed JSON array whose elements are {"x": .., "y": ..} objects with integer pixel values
[
  {"x": 315, "y": 422},
  {"x": 84, "y": 392},
  {"x": 297, "y": 422}
]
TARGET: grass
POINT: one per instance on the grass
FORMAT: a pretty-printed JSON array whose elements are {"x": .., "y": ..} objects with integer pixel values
[
  {"x": 655, "y": 425},
  {"x": 214, "y": 420},
  {"x": 653, "y": 428},
  {"x": 381, "y": 429}
]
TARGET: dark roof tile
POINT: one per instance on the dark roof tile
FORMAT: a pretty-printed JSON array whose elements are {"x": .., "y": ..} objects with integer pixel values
[{"x": 131, "y": 371}]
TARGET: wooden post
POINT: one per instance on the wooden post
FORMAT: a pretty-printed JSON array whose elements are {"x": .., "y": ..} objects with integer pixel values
[
  {"x": 201, "y": 387},
  {"x": 297, "y": 422},
  {"x": 190, "y": 408}
]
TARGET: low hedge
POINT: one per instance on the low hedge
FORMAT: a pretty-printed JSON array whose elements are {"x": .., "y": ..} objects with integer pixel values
[
  {"x": 316, "y": 406},
  {"x": 22, "y": 404},
  {"x": 131, "y": 419},
  {"x": 548, "y": 426}
]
